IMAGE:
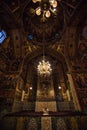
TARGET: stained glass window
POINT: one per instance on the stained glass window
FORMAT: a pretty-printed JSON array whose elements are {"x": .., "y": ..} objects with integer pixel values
[
  {"x": 2, "y": 36},
  {"x": 30, "y": 37}
]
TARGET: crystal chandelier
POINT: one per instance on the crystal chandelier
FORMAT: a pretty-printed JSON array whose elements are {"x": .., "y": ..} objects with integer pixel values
[
  {"x": 44, "y": 68},
  {"x": 46, "y": 7}
]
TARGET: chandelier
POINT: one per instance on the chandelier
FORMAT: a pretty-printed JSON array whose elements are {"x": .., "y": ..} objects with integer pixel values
[
  {"x": 46, "y": 7},
  {"x": 44, "y": 67}
]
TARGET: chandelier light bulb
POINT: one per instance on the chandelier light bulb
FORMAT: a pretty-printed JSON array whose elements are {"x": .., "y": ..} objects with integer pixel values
[
  {"x": 47, "y": 14},
  {"x": 51, "y": 1},
  {"x": 54, "y": 9},
  {"x": 38, "y": 11},
  {"x": 34, "y": 1},
  {"x": 54, "y": 4}
]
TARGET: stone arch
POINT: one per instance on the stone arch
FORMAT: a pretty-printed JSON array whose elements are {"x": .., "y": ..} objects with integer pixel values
[{"x": 49, "y": 52}]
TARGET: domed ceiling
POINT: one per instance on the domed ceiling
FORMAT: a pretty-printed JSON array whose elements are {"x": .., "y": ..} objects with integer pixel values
[
  {"x": 39, "y": 27},
  {"x": 22, "y": 14}
]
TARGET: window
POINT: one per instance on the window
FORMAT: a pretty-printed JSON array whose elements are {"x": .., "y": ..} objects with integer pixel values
[
  {"x": 30, "y": 37},
  {"x": 2, "y": 36}
]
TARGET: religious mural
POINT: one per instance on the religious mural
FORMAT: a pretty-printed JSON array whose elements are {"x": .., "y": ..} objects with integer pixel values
[
  {"x": 81, "y": 87},
  {"x": 82, "y": 45},
  {"x": 61, "y": 125},
  {"x": 83, "y": 53},
  {"x": 32, "y": 125}
]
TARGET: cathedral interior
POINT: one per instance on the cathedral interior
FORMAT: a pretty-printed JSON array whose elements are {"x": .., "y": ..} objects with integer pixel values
[{"x": 43, "y": 64}]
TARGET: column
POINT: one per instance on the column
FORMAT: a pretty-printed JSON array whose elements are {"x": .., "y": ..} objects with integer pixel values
[{"x": 74, "y": 94}]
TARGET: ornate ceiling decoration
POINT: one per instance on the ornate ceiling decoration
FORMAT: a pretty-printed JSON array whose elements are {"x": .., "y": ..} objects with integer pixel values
[
  {"x": 22, "y": 13},
  {"x": 38, "y": 25},
  {"x": 19, "y": 12}
]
